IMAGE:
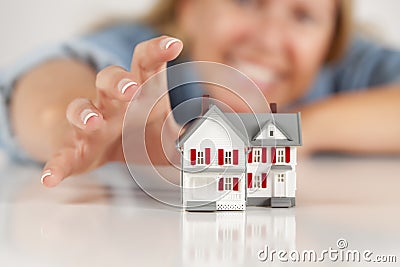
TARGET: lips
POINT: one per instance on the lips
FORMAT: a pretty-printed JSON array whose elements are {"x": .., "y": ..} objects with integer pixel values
[
  {"x": 256, "y": 72},
  {"x": 264, "y": 77}
]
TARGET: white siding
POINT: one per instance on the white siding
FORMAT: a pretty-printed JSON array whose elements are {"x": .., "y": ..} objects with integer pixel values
[
  {"x": 260, "y": 192},
  {"x": 293, "y": 156},
  {"x": 291, "y": 184},
  {"x": 290, "y": 178},
  {"x": 215, "y": 134},
  {"x": 204, "y": 186}
]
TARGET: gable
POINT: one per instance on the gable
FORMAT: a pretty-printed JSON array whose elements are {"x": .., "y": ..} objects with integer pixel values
[
  {"x": 217, "y": 130},
  {"x": 272, "y": 132},
  {"x": 207, "y": 127}
]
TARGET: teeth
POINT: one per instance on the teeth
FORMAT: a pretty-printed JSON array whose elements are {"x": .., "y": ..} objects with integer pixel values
[{"x": 257, "y": 72}]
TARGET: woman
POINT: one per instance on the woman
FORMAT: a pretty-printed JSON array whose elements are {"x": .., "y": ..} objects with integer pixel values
[{"x": 296, "y": 51}]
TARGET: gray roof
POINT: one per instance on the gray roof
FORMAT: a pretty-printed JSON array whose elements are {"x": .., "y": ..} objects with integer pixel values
[
  {"x": 195, "y": 125},
  {"x": 252, "y": 124},
  {"x": 248, "y": 126},
  {"x": 281, "y": 168}
]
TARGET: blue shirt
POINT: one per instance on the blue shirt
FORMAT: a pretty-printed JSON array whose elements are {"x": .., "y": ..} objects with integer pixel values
[{"x": 365, "y": 65}]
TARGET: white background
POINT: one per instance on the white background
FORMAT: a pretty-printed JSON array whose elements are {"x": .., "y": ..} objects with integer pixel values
[{"x": 26, "y": 24}]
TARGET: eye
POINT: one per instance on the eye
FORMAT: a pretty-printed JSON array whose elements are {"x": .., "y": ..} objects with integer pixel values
[
  {"x": 304, "y": 16},
  {"x": 247, "y": 3}
]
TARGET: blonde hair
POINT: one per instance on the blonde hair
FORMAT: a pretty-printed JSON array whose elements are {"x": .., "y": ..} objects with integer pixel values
[
  {"x": 343, "y": 30},
  {"x": 163, "y": 17}
]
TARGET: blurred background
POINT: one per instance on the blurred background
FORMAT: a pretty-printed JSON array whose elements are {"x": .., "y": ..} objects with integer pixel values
[{"x": 27, "y": 24}]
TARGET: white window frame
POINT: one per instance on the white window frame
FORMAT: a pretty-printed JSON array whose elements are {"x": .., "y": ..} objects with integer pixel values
[
  {"x": 257, "y": 152},
  {"x": 257, "y": 181},
  {"x": 228, "y": 183},
  {"x": 280, "y": 155},
  {"x": 228, "y": 157},
  {"x": 201, "y": 157},
  {"x": 281, "y": 177}
]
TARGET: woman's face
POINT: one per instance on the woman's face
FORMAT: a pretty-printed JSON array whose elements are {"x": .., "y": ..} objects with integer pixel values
[{"x": 279, "y": 44}]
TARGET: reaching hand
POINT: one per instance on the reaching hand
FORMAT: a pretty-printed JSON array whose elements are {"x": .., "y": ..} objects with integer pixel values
[{"x": 94, "y": 137}]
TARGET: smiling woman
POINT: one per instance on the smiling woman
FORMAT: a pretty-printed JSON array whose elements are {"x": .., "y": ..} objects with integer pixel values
[
  {"x": 280, "y": 45},
  {"x": 300, "y": 53},
  {"x": 163, "y": 17}
]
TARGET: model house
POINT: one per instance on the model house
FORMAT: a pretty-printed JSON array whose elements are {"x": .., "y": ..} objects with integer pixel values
[{"x": 230, "y": 160}]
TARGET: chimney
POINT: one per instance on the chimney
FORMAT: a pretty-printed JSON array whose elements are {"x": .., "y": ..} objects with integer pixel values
[
  {"x": 205, "y": 104},
  {"x": 273, "y": 107}
]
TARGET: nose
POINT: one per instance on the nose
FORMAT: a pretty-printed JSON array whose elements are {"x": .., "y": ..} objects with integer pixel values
[{"x": 271, "y": 33}]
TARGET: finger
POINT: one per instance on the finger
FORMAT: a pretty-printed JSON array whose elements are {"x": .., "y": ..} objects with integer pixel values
[
  {"x": 116, "y": 83},
  {"x": 151, "y": 56},
  {"x": 84, "y": 115},
  {"x": 58, "y": 168}
]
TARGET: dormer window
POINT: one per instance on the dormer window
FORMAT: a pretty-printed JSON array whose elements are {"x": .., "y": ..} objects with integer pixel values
[{"x": 271, "y": 130}]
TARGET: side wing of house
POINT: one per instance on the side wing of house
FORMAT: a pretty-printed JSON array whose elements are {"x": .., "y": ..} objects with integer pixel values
[
  {"x": 214, "y": 163},
  {"x": 271, "y": 171}
]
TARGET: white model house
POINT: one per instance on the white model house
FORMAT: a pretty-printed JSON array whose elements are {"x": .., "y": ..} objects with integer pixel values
[{"x": 231, "y": 160}]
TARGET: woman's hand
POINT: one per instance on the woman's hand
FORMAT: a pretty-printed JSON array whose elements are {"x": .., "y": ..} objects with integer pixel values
[{"x": 94, "y": 137}]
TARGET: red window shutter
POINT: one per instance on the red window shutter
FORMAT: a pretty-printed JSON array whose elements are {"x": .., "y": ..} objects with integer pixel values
[
  {"x": 249, "y": 180},
  {"x": 235, "y": 184},
  {"x": 193, "y": 156},
  {"x": 235, "y": 157},
  {"x": 264, "y": 155},
  {"x": 220, "y": 157},
  {"x": 287, "y": 154},
  {"x": 250, "y": 159},
  {"x": 273, "y": 154},
  {"x": 221, "y": 184},
  {"x": 264, "y": 180},
  {"x": 208, "y": 152}
]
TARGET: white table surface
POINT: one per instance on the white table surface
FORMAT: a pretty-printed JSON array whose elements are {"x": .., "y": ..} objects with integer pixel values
[{"x": 103, "y": 219}]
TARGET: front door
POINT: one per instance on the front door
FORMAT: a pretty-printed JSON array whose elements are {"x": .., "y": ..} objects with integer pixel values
[{"x": 280, "y": 185}]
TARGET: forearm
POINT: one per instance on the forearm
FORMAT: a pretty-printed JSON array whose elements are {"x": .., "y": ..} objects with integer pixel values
[
  {"x": 39, "y": 103},
  {"x": 362, "y": 122}
]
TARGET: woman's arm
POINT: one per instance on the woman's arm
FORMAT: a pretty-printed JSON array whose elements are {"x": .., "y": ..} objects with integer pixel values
[
  {"x": 361, "y": 122},
  {"x": 64, "y": 113}
]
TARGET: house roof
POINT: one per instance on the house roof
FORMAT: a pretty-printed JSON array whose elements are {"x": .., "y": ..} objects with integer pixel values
[
  {"x": 248, "y": 126},
  {"x": 281, "y": 168},
  {"x": 197, "y": 123},
  {"x": 287, "y": 123}
]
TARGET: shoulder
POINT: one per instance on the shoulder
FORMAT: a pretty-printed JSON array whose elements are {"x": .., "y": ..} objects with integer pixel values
[
  {"x": 120, "y": 37},
  {"x": 110, "y": 45},
  {"x": 367, "y": 64},
  {"x": 364, "y": 52},
  {"x": 127, "y": 31},
  {"x": 364, "y": 65}
]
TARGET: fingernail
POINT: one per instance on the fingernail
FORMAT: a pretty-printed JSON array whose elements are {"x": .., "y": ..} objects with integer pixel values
[
  {"x": 125, "y": 84},
  {"x": 45, "y": 174},
  {"x": 167, "y": 42},
  {"x": 87, "y": 114}
]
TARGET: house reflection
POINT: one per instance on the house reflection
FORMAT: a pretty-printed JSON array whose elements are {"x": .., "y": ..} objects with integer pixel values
[{"x": 235, "y": 237}]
